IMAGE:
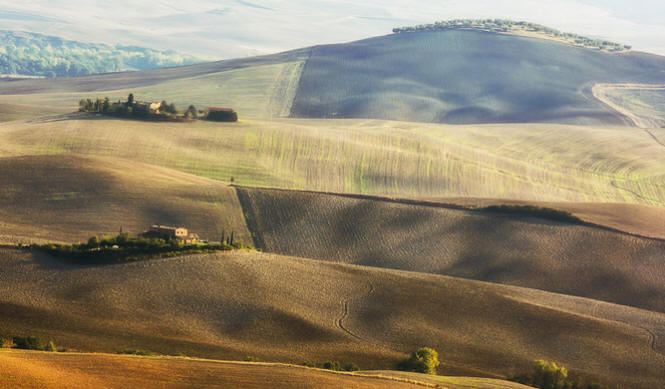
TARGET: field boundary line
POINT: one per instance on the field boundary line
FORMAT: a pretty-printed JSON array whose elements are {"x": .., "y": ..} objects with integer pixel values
[{"x": 435, "y": 204}]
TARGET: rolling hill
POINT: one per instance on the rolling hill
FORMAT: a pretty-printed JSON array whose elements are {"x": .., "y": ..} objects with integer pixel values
[
  {"x": 442, "y": 77},
  {"x": 70, "y": 198},
  {"x": 228, "y": 306},
  {"x": 535, "y": 162},
  {"x": 466, "y": 77},
  {"x": 536, "y": 253},
  {"x": 24, "y": 369}
]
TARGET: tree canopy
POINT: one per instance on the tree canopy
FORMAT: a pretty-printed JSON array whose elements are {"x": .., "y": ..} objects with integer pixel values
[{"x": 29, "y": 54}]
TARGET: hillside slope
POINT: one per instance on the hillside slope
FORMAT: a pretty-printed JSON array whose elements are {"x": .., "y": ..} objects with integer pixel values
[
  {"x": 227, "y": 306},
  {"x": 70, "y": 198},
  {"x": 466, "y": 77},
  {"x": 542, "y": 162},
  {"x": 24, "y": 369},
  {"x": 535, "y": 253}
]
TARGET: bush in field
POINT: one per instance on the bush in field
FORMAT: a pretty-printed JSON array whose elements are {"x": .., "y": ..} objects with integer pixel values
[
  {"x": 332, "y": 365},
  {"x": 424, "y": 360},
  {"x": 548, "y": 375},
  {"x": 27, "y": 343},
  {"x": 50, "y": 347},
  {"x": 534, "y": 211},
  {"x": 351, "y": 367}
]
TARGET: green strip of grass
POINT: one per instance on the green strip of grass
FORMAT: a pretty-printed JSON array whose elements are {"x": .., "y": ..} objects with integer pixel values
[{"x": 534, "y": 211}]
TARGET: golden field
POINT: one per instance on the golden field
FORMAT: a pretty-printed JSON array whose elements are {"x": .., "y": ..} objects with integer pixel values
[{"x": 276, "y": 308}]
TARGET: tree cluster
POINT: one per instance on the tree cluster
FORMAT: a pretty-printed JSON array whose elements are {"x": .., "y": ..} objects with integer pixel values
[
  {"x": 424, "y": 360},
  {"x": 122, "y": 247},
  {"x": 136, "y": 109},
  {"x": 505, "y": 26},
  {"x": 39, "y": 55},
  {"x": 549, "y": 375},
  {"x": 334, "y": 366},
  {"x": 32, "y": 343}
]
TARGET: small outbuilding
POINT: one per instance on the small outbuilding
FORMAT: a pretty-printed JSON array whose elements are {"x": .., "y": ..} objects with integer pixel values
[{"x": 219, "y": 114}]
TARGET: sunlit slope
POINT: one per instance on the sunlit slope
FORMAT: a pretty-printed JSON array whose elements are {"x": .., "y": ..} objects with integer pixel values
[
  {"x": 261, "y": 91},
  {"x": 262, "y": 87},
  {"x": 564, "y": 258},
  {"x": 228, "y": 306},
  {"x": 70, "y": 198},
  {"x": 466, "y": 77},
  {"x": 528, "y": 162},
  {"x": 25, "y": 369}
]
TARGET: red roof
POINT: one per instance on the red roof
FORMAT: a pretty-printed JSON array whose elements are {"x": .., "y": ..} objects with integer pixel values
[{"x": 218, "y": 109}]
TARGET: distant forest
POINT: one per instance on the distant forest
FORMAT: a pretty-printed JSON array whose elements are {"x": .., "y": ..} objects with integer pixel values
[
  {"x": 508, "y": 26},
  {"x": 29, "y": 54}
]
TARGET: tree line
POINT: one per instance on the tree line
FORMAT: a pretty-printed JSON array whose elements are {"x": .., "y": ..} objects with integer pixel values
[
  {"x": 506, "y": 26},
  {"x": 155, "y": 111},
  {"x": 47, "y": 56}
]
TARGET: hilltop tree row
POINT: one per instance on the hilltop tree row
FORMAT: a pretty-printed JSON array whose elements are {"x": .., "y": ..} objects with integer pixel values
[{"x": 507, "y": 26}]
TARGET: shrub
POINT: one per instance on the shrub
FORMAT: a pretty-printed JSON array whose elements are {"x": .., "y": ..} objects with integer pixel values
[
  {"x": 534, "y": 211},
  {"x": 351, "y": 367},
  {"x": 27, "y": 343},
  {"x": 136, "y": 352},
  {"x": 251, "y": 358},
  {"x": 308, "y": 364},
  {"x": 50, "y": 347},
  {"x": 332, "y": 365},
  {"x": 424, "y": 360},
  {"x": 548, "y": 375},
  {"x": 2, "y": 343}
]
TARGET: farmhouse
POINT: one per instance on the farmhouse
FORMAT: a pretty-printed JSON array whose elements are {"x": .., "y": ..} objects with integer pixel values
[{"x": 170, "y": 233}]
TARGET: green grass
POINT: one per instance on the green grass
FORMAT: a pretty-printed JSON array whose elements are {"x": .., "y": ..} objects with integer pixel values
[
  {"x": 647, "y": 105},
  {"x": 524, "y": 162},
  {"x": 264, "y": 91},
  {"x": 534, "y": 211}
]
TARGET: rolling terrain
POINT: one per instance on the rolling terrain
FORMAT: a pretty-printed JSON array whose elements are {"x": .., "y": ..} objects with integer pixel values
[
  {"x": 466, "y": 77},
  {"x": 70, "y": 198},
  {"x": 440, "y": 77},
  {"x": 22, "y": 369},
  {"x": 536, "y": 253},
  {"x": 535, "y": 162},
  {"x": 227, "y": 306},
  {"x": 350, "y": 168}
]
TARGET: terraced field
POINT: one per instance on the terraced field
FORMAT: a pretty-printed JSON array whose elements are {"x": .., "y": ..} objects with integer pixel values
[
  {"x": 228, "y": 306},
  {"x": 535, "y": 253},
  {"x": 69, "y": 198},
  {"x": 543, "y": 162}
]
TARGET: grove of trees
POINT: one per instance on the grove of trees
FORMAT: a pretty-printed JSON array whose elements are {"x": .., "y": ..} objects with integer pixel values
[
  {"x": 503, "y": 25},
  {"x": 424, "y": 360},
  {"x": 32, "y": 54}
]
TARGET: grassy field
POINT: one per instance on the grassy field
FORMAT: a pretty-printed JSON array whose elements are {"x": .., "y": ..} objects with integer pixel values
[
  {"x": 465, "y": 77},
  {"x": 449, "y": 382},
  {"x": 643, "y": 104},
  {"x": 534, "y": 253},
  {"x": 70, "y": 198},
  {"x": 24, "y": 369},
  {"x": 262, "y": 91},
  {"x": 228, "y": 306},
  {"x": 543, "y": 162}
]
